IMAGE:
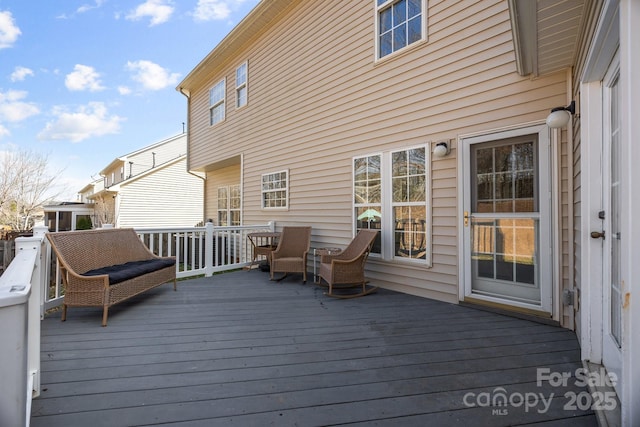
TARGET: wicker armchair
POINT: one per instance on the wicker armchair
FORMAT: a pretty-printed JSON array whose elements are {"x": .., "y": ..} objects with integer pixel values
[
  {"x": 291, "y": 254},
  {"x": 346, "y": 268}
]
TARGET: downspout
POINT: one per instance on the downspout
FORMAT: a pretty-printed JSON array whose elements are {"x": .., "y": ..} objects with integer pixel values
[{"x": 187, "y": 95}]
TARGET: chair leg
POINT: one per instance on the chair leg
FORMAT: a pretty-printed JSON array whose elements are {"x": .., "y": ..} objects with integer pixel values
[
  {"x": 279, "y": 278},
  {"x": 64, "y": 313},
  {"x": 105, "y": 313}
]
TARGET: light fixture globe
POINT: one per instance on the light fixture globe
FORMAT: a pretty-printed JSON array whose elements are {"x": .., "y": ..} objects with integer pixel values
[
  {"x": 558, "y": 119},
  {"x": 560, "y": 116},
  {"x": 441, "y": 149}
]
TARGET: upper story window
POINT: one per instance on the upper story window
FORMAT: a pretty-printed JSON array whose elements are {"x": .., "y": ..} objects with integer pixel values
[
  {"x": 275, "y": 190},
  {"x": 241, "y": 85},
  {"x": 216, "y": 102},
  {"x": 399, "y": 24}
]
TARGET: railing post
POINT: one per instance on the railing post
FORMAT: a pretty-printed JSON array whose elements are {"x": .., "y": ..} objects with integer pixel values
[
  {"x": 39, "y": 286},
  {"x": 208, "y": 249}
]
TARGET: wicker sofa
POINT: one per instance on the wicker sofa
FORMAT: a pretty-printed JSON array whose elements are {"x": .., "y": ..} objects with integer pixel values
[{"x": 100, "y": 268}]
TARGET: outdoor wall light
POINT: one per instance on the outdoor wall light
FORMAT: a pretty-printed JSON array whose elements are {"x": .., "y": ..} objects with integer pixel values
[
  {"x": 559, "y": 116},
  {"x": 441, "y": 149}
]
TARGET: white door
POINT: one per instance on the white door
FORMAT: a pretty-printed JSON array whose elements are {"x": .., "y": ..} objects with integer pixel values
[
  {"x": 610, "y": 233},
  {"x": 506, "y": 219}
]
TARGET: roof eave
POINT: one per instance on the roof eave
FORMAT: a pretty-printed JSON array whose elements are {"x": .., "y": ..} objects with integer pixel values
[
  {"x": 523, "y": 15},
  {"x": 252, "y": 24}
]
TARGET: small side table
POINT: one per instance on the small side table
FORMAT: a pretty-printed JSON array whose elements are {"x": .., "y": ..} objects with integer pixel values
[
  {"x": 318, "y": 252},
  {"x": 262, "y": 243}
]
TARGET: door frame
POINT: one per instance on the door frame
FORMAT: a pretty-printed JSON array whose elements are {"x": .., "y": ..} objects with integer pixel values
[
  {"x": 617, "y": 28},
  {"x": 545, "y": 167},
  {"x": 592, "y": 110}
]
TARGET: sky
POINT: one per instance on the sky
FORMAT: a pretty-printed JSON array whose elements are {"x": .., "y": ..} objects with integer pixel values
[{"x": 83, "y": 82}]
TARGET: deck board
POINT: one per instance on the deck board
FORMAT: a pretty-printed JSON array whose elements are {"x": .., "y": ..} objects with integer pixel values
[{"x": 237, "y": 349}]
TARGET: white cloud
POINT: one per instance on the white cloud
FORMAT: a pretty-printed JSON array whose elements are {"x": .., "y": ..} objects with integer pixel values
[
  {"x": 87, "y": 7},
  {"x": 9, "y": 31},
  {"x": 13, "y": 109},
  {"x": 4, "y": 131},
  {"x": 215, "y": 10},
  {"x": 20, "y": 73},
  {"x": 211, "y": 10},
  {"x": 124, "y": 90},
  {"x": 87, "y": 121},
  {"x": 151, "y": 76},
  {"x": 158, "y": 10},
  {"x": 83, "y": 77}
]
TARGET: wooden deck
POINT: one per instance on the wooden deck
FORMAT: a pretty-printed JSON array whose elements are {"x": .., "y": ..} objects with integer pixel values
[{"x": 238, "y": 350}]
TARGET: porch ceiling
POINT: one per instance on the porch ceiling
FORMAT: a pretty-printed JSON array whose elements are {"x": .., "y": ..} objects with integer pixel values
[{"x": 545, "y": 34}]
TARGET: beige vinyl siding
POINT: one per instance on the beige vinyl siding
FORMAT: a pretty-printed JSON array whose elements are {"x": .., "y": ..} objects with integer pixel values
[
  {"x": 317, "y": 98},
  {"x": 167, "y": 197},
  {"x": 565, "y": 212}
]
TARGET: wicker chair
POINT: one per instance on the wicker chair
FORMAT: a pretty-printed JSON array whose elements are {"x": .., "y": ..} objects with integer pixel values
[
  {"x": 346, "y": 268},
  {"x": 291, "y": 254}
]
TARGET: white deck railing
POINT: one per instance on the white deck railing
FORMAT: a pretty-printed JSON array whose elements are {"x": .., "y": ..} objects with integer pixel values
[
  {"x": 203, "y": 250},
  {"x": 20, "y": 356},
  {"x": 198, "y": 250}
]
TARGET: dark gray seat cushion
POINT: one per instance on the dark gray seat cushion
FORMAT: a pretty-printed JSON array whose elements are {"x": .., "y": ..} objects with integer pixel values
[{"x": 121, "y": 272}]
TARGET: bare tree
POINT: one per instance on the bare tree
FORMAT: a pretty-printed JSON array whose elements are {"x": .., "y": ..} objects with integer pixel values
[
  {"x": 103, "y": 210},
  {"x": 25, "y": 187}
]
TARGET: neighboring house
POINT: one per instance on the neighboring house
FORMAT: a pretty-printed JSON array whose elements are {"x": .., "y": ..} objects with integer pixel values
[
  {"x": 90, "y": 189},
  {"x": 69, "y": 216},
  {"x": 426, "y": 120},
  {"x": 150, "y": 187}
]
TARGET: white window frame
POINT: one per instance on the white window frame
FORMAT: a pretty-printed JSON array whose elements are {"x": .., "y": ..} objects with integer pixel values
[
  {"x": 235, "y": 205},
  {"x": 381, "y": 6},
  {"x": 368, "y": 204},
  {"x": 426, "y": 203},
  {"x": 387, "y": 225},
  {"x": 217, "y": 102},
  {"x": 225, "y": 205},
  {"x": 266, "y": 189},
  {"x": 242, "y": 85}
]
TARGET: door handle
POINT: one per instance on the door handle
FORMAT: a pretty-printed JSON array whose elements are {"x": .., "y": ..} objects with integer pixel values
[
  {"x": 597, "y": 234},
  {"x": 466, "y": 218}
]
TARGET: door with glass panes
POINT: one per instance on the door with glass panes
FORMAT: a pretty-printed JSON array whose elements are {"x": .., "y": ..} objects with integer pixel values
[{"x": 506, "y": 219}]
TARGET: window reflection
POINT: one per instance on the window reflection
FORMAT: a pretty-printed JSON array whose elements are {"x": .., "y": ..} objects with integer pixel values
[
  {"x": 505, "y": 249},
  {"x": 505, "y": 179}
]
